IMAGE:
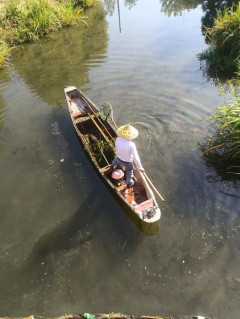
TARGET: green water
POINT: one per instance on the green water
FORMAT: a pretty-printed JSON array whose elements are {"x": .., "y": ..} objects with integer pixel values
[{"x": 67, "y": 244}]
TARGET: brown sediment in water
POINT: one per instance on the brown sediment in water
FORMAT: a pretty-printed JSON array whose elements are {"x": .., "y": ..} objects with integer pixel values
[{"x": 110, "y": 316}]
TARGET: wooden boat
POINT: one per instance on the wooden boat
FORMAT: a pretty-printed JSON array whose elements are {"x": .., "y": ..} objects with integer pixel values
[{"x": 98, "y": 138}]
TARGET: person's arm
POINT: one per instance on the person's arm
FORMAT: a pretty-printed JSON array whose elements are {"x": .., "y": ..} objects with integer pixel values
[{"x": 136, "y": 157}]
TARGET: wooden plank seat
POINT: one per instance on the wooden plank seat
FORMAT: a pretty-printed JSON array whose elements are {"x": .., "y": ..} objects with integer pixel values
[{"x": 78, "y": 106}]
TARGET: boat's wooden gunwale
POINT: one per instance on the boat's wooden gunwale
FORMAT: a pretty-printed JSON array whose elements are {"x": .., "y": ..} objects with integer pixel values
[{"x": 150, "y": 194}]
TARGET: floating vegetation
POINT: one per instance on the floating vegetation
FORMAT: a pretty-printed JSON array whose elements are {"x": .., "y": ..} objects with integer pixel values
[{"x": 30, "y": 20}]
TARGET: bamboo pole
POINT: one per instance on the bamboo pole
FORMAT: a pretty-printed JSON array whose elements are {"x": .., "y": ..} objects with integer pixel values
[
  {"x": 103, "y": 154},
  {"x": 159, "y": 195},
  {"x": 113, "y": 121},
  {"x": 101, "y": 131}
]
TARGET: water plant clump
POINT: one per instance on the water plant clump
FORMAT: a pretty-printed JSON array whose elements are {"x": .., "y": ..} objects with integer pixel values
[
  {"x": 224, "y": 41},
  {"x": 224, "y": 143},
  {"x": 29, "y": 20},
  {"x": 225, "y": 34},
  {"x": 4, "y": 54},
  {"x": 217, "y": 61}
]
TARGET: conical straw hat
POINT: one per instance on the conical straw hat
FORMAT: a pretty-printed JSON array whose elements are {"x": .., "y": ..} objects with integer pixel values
[{"x": 127, "y": 131}]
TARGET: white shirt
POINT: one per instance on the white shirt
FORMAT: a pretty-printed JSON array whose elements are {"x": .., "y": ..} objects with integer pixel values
[{"x": 126, "y": 151}]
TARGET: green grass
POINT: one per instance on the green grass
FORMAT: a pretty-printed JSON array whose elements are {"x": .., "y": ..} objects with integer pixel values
[
  {"x": 225, "y": 34},
  {"x": 225, "y": 140},
  {"x": 30, "y": 20}
]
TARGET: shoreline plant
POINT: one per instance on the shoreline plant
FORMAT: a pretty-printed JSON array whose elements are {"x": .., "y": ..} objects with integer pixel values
[
  {"x": 224, "y": 142},
  {"x": 224, "y": 41}
]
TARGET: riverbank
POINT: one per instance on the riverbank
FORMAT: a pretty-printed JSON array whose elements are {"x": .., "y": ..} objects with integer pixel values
[
  {"x": 222, "y": 146},
  {"x": 223, "y": 39},
  {"x": 28, "y": 21}
]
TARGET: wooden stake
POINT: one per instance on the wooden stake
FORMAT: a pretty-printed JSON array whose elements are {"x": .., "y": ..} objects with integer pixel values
[{"x": 162, "y": 199}]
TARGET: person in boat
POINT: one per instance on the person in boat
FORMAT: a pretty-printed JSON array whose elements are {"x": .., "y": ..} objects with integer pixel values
[{"x": 127, "y": 152}]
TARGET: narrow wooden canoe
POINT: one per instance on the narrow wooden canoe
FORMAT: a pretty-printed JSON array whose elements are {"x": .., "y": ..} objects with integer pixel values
[{"x": 92, "y": 130}]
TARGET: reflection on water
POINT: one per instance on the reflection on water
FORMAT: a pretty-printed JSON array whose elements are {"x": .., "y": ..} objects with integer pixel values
[
  {"x": 109, "y": 5},
  {"x": 178, "y": 6},
  {"x": 68, "y": 244},
  {"x": 130, "y": 3},
  {"x": 4, "y": 78},
  {"x": 48, "y": 65},
  {"x": 210, "y": 9}
]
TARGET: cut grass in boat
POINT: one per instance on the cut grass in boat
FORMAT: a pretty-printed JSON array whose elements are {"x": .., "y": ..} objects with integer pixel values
[{"x": 30, "y": 20}]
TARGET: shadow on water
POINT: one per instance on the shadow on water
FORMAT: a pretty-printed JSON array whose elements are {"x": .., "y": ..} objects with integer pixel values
[
  {"x": 66, "y": 251},
  {"x": 218, "y": 169},
  {"x": 64, "y": 235}
]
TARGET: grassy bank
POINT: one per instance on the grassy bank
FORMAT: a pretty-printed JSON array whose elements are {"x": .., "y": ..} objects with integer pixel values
[
  {"x": 29, "y": 20},
  {"x": 224, "y": 41},
  {"x": 224, "y": 142},
  {"x": 222, "y": 147}
]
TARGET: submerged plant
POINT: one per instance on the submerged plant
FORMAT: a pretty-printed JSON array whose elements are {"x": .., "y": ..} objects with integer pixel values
[
  {"x": 217, "y": 61},
  {"x": 5, "y": 54}
]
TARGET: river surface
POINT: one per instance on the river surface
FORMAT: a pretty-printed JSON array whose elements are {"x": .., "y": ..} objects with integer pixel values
[{"x": 67, "y": 244}]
